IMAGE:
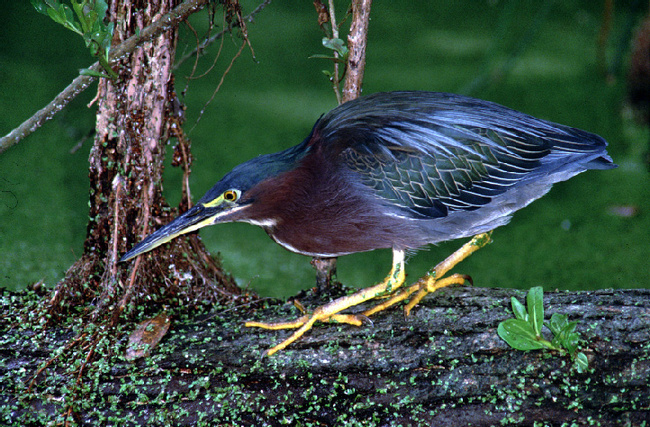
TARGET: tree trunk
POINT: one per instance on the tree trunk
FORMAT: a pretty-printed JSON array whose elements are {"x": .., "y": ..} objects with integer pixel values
[
  {"x": 443, "y": 366},
  {"x": 137, "y": 114}
]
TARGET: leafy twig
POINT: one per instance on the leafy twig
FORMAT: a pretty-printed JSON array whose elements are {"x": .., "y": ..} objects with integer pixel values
[
  {"x": 79, "y": 84},
  {"x": 199, "y": 50},
  {"x": 87, "y": 21},
  {"x": 339, "y": 55}
]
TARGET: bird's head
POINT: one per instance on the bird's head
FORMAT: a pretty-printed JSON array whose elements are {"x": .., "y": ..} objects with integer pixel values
[{"x": 231, "y": 199}]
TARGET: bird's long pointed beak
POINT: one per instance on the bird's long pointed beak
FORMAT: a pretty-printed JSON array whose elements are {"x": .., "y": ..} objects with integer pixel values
[{"x": 195, "y": 218}]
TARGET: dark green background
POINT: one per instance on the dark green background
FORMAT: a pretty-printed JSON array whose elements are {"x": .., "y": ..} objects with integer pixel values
[{"x": 537, "y": 57}]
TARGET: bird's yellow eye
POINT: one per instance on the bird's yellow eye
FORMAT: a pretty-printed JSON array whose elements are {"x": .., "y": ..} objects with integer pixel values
[{"x": 231, "y": 195}]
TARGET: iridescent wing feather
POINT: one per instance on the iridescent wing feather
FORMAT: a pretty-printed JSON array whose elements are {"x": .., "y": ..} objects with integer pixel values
[{"x": 446, "y": 153}]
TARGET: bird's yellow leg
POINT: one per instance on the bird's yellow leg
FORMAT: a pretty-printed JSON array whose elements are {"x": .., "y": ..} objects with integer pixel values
[
  {"x": 329, "y": 312},
  {"x": 454, "y": 279},
  {"x": 336, "y": 318},
  {"x": 433, "y": 280}
]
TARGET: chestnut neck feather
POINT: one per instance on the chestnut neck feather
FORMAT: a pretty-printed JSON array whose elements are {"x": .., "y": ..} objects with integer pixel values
[{"x": 302, "y": 203}]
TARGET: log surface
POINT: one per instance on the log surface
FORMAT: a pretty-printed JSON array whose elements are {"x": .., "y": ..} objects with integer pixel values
[{"x": 444, "y": 365}]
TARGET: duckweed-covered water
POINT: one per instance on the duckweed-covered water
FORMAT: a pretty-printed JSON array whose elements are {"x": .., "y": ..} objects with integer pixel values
[{"x": 537, "y": 58}]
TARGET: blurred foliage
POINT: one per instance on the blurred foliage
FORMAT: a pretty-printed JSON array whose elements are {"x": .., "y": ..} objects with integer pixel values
[{"x": 536, "y": 57}]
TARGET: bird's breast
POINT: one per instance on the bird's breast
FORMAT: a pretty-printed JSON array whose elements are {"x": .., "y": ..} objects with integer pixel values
[{"x": 334, "y": 230}]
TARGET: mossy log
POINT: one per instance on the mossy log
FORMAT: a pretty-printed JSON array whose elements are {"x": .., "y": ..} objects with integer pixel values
[{"x": 445, "y": 365}]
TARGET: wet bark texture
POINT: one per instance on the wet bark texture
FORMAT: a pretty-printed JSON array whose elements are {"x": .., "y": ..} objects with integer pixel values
[
  {"x": 137, "y": 115},
  {"x": 443, "y": 366}
]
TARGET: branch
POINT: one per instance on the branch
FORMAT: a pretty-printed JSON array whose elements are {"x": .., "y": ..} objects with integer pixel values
[
  {"x": 335, "y": 35},
  {"x": 79, "y": 84},
  {"x": 200, "y": 49},
  {"x": 356, "y": 64},
  {"x": 357, "y": 40}
]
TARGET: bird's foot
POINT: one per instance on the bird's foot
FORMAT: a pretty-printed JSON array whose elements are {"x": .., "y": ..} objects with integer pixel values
[
  {"x": 330, "y": 312},
  {"x": 351, "y": 319},
  {"x": 326, "y": 313},
  {"x": 389, "y": 289},
  {"x": 429, "y": 284},
  {"x": 434, "y": 280}
]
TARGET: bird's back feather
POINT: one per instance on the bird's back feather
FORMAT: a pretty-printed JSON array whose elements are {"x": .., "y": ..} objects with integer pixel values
[{"x": 431, "y": 154}]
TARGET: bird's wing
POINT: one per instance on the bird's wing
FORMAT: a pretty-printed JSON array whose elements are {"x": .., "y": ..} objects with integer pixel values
[{"x": 439, "y": 153}]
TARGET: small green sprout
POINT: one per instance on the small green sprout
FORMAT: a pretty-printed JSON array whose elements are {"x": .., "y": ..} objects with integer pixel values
[
  {"x": 524, "y": 332},
  {"x": 336, "y": 45}
]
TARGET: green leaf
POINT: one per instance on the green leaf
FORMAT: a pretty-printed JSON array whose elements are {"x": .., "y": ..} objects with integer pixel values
[
  {"x": 519, "y": 334},
  {"x": 86, "y": 18},
  {"x": 101, "y": 7},
  {"x": 92, "y": 73},
  {"x": 336, "y": 45},
  {"x": 581, "y": 362},
  {"x": 93, "y": 47},
  {"x": 62, "y": 14},
  {"x": 535, "y": 303},
  {"x": 40, "y": 6},
  {"x": 331, "y": 58},
  {"x": 557, "y": 323},
  {"x": 56, "y": 15},
  {"x": 66, "y": 12},
  {"x": 109, "y": 31},
  {"x": 320, "y": 56},
  {"x": 570, "y": 342},
  {"x": 567, "y": 330},
  {"x": 519, "y": 309}
]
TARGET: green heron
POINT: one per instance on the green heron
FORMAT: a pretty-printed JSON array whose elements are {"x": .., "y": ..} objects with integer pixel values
[{"x": 395, "y": 170}]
